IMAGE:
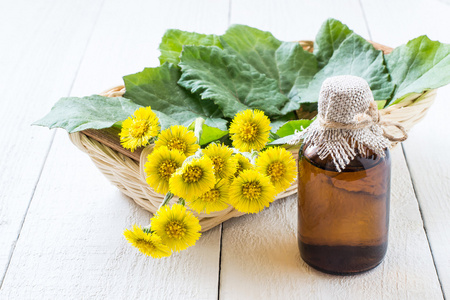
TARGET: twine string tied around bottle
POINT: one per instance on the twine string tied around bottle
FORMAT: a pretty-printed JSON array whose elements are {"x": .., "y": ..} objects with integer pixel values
[{"x": 371, "y": 117}]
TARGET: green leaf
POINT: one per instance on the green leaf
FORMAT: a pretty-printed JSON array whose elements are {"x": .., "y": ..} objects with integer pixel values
[
  {"x": 277, "y": 123},
  {"x": 290, "y": 127},
  {"x": 381, "y": 104},
  {"x": 211, "y": 134},
  {"x": 287, "y": 63},
  {"x": 282, "y": 141},
  {"x": 164, "y": 120},
  {"x": 173, "y": 41},
  {"x": 407, "y": 98},
  {"x": 419, "y": 65},
  {"x": 357, "y": 57},
  {"x": 230, "y": 83},
  {"x": 328, "y": 39},
  {"x": 297, "y": 68},
  {"x": 96, "y": 112},
  {"x": 253, "y": 46},
  {"x": 158, "y": 88},
  {"x": 287, "y": 131}
]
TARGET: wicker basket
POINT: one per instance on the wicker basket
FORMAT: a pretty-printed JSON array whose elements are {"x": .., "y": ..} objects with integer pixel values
[{"x": 128, "y": 174}]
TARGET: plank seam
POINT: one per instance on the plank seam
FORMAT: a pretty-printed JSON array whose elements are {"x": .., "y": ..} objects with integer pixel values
[
  {"x": 13, "y": 247},
  {"x": 220, "y": 261},
  {"x": 86, "y": 47},
  {"x": 444, "y": 1},
  {"x": 221, "y": 225},
  {"x": 229, "y": 13},
  {"x": 423, "y": 221},
  {"x": 365, "y": 19}
]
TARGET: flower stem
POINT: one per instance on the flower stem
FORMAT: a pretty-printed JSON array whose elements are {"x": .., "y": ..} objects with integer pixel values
[
  {"x": 182, "y": 201},
  {"x": 166, "y": 200},
  {"x": 198, "y": 128}
]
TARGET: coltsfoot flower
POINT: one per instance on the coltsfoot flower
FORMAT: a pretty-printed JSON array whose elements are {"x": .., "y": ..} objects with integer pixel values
[
  {"x": 251, "y": 191},
  {"x": 138, "y": 129},
  {"x": 249, "y": 130},
  {"x": 216, "y": 199},
  {"x": 178, "y": 138},
  {"x": 221, "y": 156},
  {"x": 193, "y": 179},
  {"x": 177, "y": 227},
  {"x": 279, "y": 165},
  {"x": 243, "y": 163},
  {"x": 160, "y": 166},
  {"x": 148, "y": 243}
]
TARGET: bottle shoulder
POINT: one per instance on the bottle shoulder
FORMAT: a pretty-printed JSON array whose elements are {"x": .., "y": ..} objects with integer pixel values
[{"x": 362, "y": 161}]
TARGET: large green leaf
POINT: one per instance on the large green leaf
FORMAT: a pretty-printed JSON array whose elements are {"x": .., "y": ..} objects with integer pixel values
[
  {"x": 97, "y": 112},
  {"x": 330, "y": 36},
  {"x": 355, "y": 56},
  {"x": 232, "y": 84},
  {"x": 173, "y": 41},
  {"x": 297, "y": 68},
  {"x": 285, "y": 62},
  {"x": 419, "y": 65},
  {"x": 164, "y": 120},
  {"x": 158, "y": 88},
  {"x": 253, "y": 46}
]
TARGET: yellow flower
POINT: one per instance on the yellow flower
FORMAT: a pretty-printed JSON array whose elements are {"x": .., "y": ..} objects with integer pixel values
[
  {"x": 242, "y": 164},
  {"x": 251, "y": 191},
  {"x": 148, "y": 243},
  {"x": 178, "y": 137},
  {"x": 249, "y": 130},
  {"x": 221, "y": 156},
  {"x": 279, "y": 165},
  {"x": 193, "y": 178},
  {"x": 215, "y": 199},
  {"x": 138, "y": 129},
  {"x": 177, "y": 227},
  {"x": 160, "y": 166}
]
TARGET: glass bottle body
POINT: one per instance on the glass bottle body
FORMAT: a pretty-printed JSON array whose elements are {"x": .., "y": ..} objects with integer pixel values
[{"x": 343, "y": 217}]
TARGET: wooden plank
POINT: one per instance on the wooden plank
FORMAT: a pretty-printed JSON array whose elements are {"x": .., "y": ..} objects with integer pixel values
[
  {"x": 71, "y": 245},
  {"x": 428, "y": 145},
  {"x": 426, "y": 151},
  {"x": 394, "y": 23},
  {"x": 263, "y": 248},
  {"x": 260, "y": 258},
  {"x": 129, "y": 39},
  {"x": 42, "y": 46}
]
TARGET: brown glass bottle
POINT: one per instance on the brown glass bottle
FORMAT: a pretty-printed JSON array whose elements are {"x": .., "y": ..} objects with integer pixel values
[{"x": 343, "y": 217}]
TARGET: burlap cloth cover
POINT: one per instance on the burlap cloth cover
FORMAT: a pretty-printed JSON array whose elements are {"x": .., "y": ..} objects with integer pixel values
[{"x": 347, "y": 119}]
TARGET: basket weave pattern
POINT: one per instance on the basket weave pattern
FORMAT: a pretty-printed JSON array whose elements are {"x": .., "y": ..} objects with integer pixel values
[{"x": 129, "y": 176}]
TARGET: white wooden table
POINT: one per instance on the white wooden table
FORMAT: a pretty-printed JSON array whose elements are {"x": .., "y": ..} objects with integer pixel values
[{"x": 61, "y": 222}]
